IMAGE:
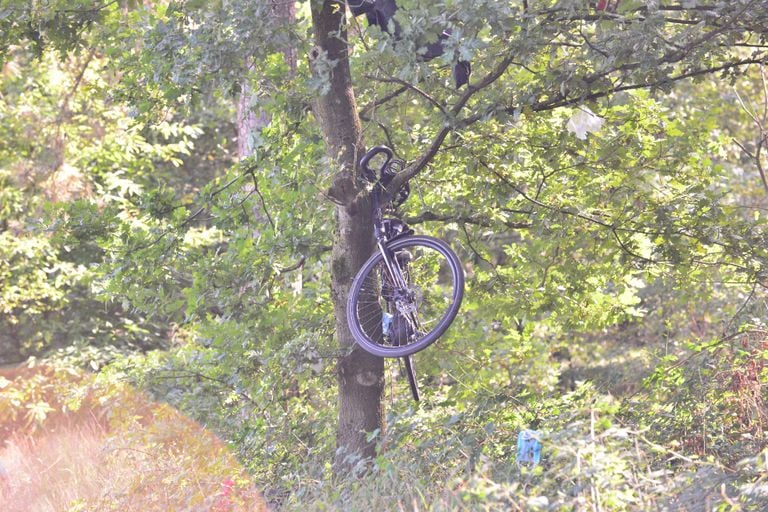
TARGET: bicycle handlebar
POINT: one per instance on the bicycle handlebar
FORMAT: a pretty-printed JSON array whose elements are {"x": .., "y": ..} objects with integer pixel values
[{"x": 369, "y": 173}]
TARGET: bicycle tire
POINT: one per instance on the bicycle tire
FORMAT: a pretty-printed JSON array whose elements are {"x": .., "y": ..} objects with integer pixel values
[
  {"x": 433, "y": 258},
  {"x": 411, "y": 374}
]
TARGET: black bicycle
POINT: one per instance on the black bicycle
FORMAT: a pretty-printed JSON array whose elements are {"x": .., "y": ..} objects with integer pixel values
[{"x": 407, "y": 294}]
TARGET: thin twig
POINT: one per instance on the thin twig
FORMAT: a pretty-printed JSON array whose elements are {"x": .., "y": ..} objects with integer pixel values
[
  {"x": 261, "y": 199},
  {"x": 472, "y": 247},
  {"x": 380, "y": 101},
  {"x": 561, "y": 101},
  {"x": 178, "y": 374},
  {"x": 413, "y": 88},
  {"x": 476, "y": 220},
  {"x": 293, "y": 267}
]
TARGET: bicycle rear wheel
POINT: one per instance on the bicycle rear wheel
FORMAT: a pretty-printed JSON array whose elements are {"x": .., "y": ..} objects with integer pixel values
[{"x": 429, "y": 300}]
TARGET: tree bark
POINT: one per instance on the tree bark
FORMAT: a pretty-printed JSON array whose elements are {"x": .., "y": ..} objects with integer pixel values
[
  {"x": 360, "y": 375},
  {"x": 251, "y": 119}
]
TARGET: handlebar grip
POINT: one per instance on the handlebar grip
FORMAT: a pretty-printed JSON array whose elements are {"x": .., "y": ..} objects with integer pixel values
[{"x": 368, "y": 172}]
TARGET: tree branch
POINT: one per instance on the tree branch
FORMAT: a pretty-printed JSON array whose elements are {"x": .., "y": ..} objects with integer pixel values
[
  {"x": 760, "y": 124},
  {"x": 248, "y": 171},
  {"x": 453, "y": 123},
  {"x": 566, "y": 102},
  {"x": 420, "y": 163},
  {"x": 261, "y": 199},
  {"x": 462, "y": 219},
  {"x": 413, "y": 88},
  {"x": 191, "y": 374},
  {"x": 380, "y": 101}
]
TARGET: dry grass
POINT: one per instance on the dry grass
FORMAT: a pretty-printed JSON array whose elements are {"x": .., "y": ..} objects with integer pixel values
[
  {"x": 128, "y": 455},
  {"x": 50, "y": 472}
]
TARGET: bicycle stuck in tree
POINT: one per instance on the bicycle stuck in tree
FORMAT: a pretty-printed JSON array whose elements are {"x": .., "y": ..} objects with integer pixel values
[{"x": 408, "y": 292}]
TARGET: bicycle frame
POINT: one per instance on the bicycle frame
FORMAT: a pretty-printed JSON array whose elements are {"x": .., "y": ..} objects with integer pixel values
[
  {"x": 398, "y": 302},
  {"x": 383, "y": 237}
]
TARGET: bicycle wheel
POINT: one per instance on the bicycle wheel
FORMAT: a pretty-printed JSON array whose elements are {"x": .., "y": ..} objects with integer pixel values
[
  {"x": 411, "y": 374},
  {"x": 429, "y": 296}
]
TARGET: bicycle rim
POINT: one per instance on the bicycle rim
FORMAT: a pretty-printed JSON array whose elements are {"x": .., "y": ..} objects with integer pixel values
[{"x": 429, "y": 304}]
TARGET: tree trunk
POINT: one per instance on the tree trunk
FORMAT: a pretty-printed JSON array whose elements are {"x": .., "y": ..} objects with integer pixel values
[
  {"x": 360, "y": 375},
  {"x": 249, "y": 123},
  {"x": 251, "y": 119}
]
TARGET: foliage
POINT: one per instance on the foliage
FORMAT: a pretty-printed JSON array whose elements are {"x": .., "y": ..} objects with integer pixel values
[
  {"x": 73, "y": 164},
  {"x": 724, "y": 413},
  {"x": 615, "y": 280}
]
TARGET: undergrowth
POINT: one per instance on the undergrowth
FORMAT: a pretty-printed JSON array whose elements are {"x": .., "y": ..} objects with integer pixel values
[{"x": 682, "y": 432}]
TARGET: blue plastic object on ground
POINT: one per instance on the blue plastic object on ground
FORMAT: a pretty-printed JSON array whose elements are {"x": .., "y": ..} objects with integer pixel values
[{"x": 529, "y": 447}]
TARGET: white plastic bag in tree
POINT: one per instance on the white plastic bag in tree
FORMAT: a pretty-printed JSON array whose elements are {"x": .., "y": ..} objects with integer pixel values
[{"x": 584, "y": 121}]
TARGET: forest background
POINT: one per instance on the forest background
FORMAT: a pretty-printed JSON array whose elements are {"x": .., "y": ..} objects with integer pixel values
[{"x": 180, "y": 213}]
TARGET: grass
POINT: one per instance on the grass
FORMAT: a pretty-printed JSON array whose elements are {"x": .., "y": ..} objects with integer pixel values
[
  {"x": 117, "y": 452},
  {"x": 51, "y": 471}
]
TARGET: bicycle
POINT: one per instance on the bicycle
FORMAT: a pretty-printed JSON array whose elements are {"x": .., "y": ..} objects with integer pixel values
[{"x": 407, "y": 294}]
